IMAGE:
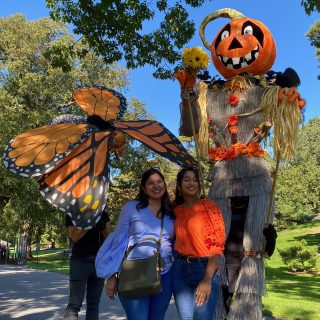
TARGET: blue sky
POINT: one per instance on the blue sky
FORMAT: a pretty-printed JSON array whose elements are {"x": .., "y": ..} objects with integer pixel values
[{"x": 286, "y": 20}]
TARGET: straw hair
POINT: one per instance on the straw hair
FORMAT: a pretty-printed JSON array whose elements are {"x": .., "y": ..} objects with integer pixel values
[
  {"x": 285, "y": 124},
  {"x": 203, "y": 136}
]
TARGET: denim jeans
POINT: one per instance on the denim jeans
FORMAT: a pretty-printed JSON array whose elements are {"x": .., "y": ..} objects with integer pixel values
[
  {"x": 185, "y": 278},
  {"x": 83, "y": 281},
  {"x": 152, "y": 307}
]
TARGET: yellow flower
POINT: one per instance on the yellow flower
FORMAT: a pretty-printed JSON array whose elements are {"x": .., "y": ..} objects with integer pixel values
[{"x": 195, "y": 58}]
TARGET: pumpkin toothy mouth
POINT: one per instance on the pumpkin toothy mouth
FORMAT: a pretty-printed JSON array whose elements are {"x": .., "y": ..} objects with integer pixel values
[{"x": 240, "y": 62}]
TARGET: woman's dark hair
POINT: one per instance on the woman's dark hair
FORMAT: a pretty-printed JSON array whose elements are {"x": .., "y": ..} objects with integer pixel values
[
  {"x": 178, "y": 196},
  {"x": 143, "y": 200}
]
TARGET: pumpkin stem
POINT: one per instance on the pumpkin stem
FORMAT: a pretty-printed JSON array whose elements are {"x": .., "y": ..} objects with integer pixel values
[{"x": 221, "y": 13}]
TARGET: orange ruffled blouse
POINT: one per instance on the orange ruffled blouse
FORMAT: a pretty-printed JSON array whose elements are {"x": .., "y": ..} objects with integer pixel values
[{"x": 199, "y": 230}]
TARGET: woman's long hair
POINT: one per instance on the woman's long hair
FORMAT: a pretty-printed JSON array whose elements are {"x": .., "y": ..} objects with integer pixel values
[
  {"x": 143, "y": 200},
  {"x": 178, "y": 196}
]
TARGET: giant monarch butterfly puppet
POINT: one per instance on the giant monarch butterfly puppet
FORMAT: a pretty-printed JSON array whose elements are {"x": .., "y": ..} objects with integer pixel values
[{"x": 70, "y": 156}]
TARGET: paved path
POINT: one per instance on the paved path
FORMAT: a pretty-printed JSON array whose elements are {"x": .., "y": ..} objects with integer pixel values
[{"x": 28, "y": 294}]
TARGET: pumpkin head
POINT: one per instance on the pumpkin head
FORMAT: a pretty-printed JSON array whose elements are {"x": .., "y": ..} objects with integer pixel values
[{"x": 243, "y": 45}]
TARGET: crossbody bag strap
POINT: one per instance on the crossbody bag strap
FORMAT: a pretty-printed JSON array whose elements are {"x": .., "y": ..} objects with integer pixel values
[
  {"x": 161, "y": 232},
  {"x": 158, "y": 242}
]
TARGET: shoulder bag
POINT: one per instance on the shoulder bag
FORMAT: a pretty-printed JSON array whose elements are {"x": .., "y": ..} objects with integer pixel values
[{"x": 141, "y": 277}]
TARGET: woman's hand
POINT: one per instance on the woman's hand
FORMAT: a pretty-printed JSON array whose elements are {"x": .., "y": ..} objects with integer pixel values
[
  {"x": 203, "y": 291},
  {"x": 111, "y": 287},
  {"x": 204, "y": 287}
]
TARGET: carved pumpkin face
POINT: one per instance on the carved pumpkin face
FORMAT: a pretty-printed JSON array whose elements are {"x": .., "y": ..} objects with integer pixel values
[{"x": 243, "y": 45}]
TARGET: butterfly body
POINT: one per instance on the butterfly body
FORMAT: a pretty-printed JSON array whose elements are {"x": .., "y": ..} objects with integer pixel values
[{"x": 70, "y": 156}]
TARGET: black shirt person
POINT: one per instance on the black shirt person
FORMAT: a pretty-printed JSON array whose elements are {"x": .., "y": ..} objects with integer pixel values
[{"x": 83, "y": 280}]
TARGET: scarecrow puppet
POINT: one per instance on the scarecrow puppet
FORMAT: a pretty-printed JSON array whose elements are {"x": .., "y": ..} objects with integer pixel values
[{"x": 231, "y": 118}]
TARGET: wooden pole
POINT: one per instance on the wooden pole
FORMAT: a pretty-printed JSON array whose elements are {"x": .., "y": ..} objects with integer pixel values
[
  {"x": 195, "y": 142},
  {"x": 273, "y": 188}
]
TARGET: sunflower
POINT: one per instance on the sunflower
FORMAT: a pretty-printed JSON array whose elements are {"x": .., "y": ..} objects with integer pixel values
[{"x": 195, "y": 58}]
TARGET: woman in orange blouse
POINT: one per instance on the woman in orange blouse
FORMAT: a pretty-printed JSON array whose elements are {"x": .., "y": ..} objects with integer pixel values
[{"x": 200, "y": 235}]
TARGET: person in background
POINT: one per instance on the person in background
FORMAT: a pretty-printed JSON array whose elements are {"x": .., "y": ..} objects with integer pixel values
[
  {"x": 199, "y": 240},
  {"x": 139, "y": 219},
  {"x": 83, "y": 279},
  {"x": 2, "y": 252}
]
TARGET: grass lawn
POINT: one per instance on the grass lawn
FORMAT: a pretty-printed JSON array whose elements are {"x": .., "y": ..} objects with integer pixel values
[
  {"x": 54, "y": 260},
  {"x": 293, "y": 296}
]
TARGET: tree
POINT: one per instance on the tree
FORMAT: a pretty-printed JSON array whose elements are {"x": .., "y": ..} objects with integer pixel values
[
  {"x": 314, "y": 37},
  {"x": 33, "y": 90},
  {"x": 298, "y": 190},
  {"x": 129, "y": 30}
]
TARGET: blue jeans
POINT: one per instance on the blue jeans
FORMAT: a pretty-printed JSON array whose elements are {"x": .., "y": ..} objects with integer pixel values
[
  {"x": 185, "y": 278},
  {"x": 83, "y": 281},
  {"x": 152, "y": 307}
]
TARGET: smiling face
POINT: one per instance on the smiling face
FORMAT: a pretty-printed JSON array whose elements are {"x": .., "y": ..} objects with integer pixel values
[
  {"x": 155, "y": 187},
  {"x": 189, "y": 186},
  {"x": 243, "y": 46}
]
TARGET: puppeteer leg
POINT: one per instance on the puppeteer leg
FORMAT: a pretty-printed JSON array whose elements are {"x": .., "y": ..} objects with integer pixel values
[{"x": 250, "y": 285}]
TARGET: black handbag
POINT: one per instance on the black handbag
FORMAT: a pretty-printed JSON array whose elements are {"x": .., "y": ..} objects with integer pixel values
[{"x": 141, "y": 277}]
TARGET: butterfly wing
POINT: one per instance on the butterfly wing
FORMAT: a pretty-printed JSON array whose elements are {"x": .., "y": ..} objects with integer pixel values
[
  {"x": 78, "y": 185},
  {"x": 158, "y": 138},
  {"x": 99, "y": 101},
  {"x": 36, "y": 151}
]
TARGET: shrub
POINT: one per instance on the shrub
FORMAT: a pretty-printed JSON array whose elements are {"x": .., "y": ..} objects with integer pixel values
[{"x": 299, "y": 257}]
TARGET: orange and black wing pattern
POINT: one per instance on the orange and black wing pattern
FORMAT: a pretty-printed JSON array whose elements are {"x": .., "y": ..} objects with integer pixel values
[
  {"x": 37, "y": 151},
  {"x": 78, "y": 185},
  {"x": 99, "y": 101},
  {"x": 158, "y": 138}
]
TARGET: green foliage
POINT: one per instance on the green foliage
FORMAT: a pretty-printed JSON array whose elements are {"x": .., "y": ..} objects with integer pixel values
[
  {"x": 128, "y": 29},
  {"x": 310, "y": 6},
  {"x": 314, "y": 36},
  {"x": 299, "y": 257},
  {"x": 298, "y": 189}
]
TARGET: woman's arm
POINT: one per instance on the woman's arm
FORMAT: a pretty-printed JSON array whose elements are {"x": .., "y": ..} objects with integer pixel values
[
  {"x": 111, "y": 252},
  {"x": 204, "y": 287}
]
